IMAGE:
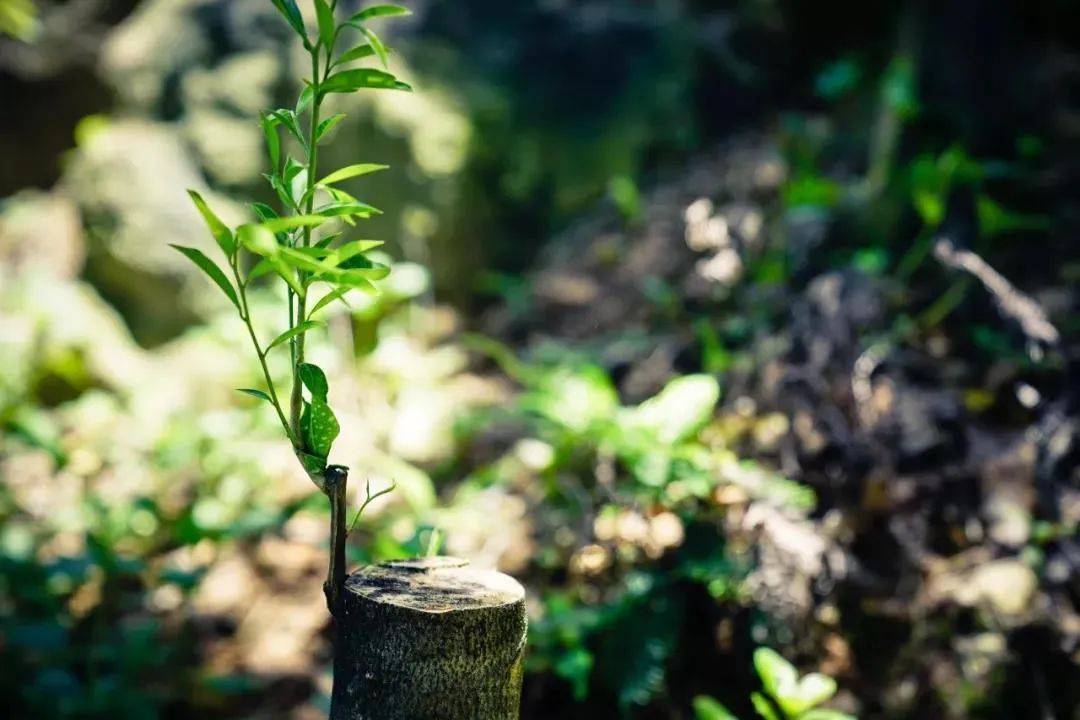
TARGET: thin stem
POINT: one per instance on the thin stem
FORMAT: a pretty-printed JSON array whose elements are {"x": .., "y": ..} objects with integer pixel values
[
  {"x": 296, "y": 401},
  {"x": 245, "y": 315},
  {"x": 337, "y": 478}
]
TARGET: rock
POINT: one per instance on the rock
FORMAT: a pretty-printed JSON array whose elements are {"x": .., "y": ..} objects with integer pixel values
[
  {"x": 241, "y": 85},
  {"x": 158, "y": 41},
  {"x": 41, "y": 233},
  {"x": 129, "y": 180},
  {"x": 220, "y": 106},
  {"x": 230, "y": 147},
  {"x": 1006, "y": 586}
]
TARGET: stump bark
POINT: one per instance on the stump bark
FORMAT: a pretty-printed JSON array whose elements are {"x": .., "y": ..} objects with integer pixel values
[{"x": 429, "y": 639}]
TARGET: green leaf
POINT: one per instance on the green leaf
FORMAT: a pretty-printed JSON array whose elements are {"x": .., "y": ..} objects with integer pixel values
[
  {"x": 298, "y": 188},
  {"x": 314, "y": 379},
  {"x": 213, "y": 271},
  {"x": 348, "y": 81},
  {"x": 778, "y": 676},
  {"x": 376, "y": 11},
  {"x": 288, "y": 275},
  {"x": 263, "y": 267},
  {"x": 706, "y": 708},
  {"x": 322, "y": 427},
  {"x": 359, "y": 52},
  {"x": 264, "y": 211},
  {"x": 763, "y": 707},
  {"x": 358, "y": 209},
  {"x": 812, "y": 689},
  {"x": 256, "y": 393},
  {"x": 303, "y": 259},
  {"x": 355, "y": 281},
  {"x": 221, "y": 233},
  {"x": 273, "y": 142},
  {"x": 335, "y": 294},
  {"x": 576, "y": 399},
  {"x": 315, "y": 466},
  {"x": 294, "y": 179},
  {"x": 307, "y": 95},
  {"x": 352, "y": 171},
  {"x": 292, "y": 124},
  {"x": 352, "y": 249},
  {"x": 257, "y": 239},
  {"x": 279, "y": 188},
  {"x": 292, "y": 15},
  {"x": 291, "y": 222},
  {"x": 376, "y": 45},
  {"x": 289, "y": 334},
  {"x": 575, "y": 665},
  {"x": 325, "y": 242},
  {"x": 676, "y": 412},
  {"x": 825, "y": 714},
  {"x": 327, "y": 125},
  {"x": 325, "y": 17}
]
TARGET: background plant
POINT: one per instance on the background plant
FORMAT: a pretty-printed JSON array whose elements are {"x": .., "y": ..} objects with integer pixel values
[
  {"x": 155, "y": 535},
  {"x": 784, "y": 696}
]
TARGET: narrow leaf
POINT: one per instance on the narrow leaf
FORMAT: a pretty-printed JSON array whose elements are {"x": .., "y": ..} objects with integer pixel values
[
  {"x": 378, "y": 11},
  {"x": 327, "y": 125},
  {"x": 292, "y": 15},
  {"x": 294, "y": 332},
  {"x": 823, "y": 714},
  {"x": 291, "y": 122},
  {"x": 353, "y": 248},
  {"x": 359, "y": 52},
  {"x": 264, "y": 211},
  {"x": 298, "y": 187},
  {"x": 348, "y": 208},
  {"x": 325, "y": 242},
  {"x": 376, "y": 45},
  {"x": 222, "y": 235},
  {"x": 257, "y": 239},
  {"x": 295, "y": 257},
  {"x": 307, "y": 95},
  {"x": 213, "y": 271},
  {"x": 348, "y": 81},
  {"x": 291, "y": 222},
  {"x": 273, "y": 142},
  {"x": 764, "y": 707},
  {"x": 263, "y": 267},
  {"x": 288, "y": 275},
  {"x": 256, "y": 393},
  {"x": 361, "y": 279},
  {"x": 279, "y": 188},
  {"x": 706, "y": 708},
  {"x": 325, "y": 17},
  {"x": 373, "y": 270},
  {"x": 328, "y": 298},
  {"x": 352, "y": 171}
]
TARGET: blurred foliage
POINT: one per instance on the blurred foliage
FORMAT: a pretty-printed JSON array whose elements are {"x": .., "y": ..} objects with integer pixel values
[
  {"x": 18, "y": 18},
  {"x": 636, "y": 454},
  {"x": 785, "y": 695}
]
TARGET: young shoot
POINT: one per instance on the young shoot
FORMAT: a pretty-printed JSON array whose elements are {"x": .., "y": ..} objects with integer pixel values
[{"x": 289, "y": 243}]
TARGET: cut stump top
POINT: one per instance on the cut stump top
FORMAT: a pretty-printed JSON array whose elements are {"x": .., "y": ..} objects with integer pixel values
[{"x": 435, "y": 585}]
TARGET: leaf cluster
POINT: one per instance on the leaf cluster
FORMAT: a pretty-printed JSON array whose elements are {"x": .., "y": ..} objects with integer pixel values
[
  {"x": 291, "y": 243},
  {"x": 784, "y": 695}
]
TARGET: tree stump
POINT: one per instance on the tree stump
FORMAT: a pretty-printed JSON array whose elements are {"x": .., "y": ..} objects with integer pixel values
[{"x": 429, "y": 639}]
